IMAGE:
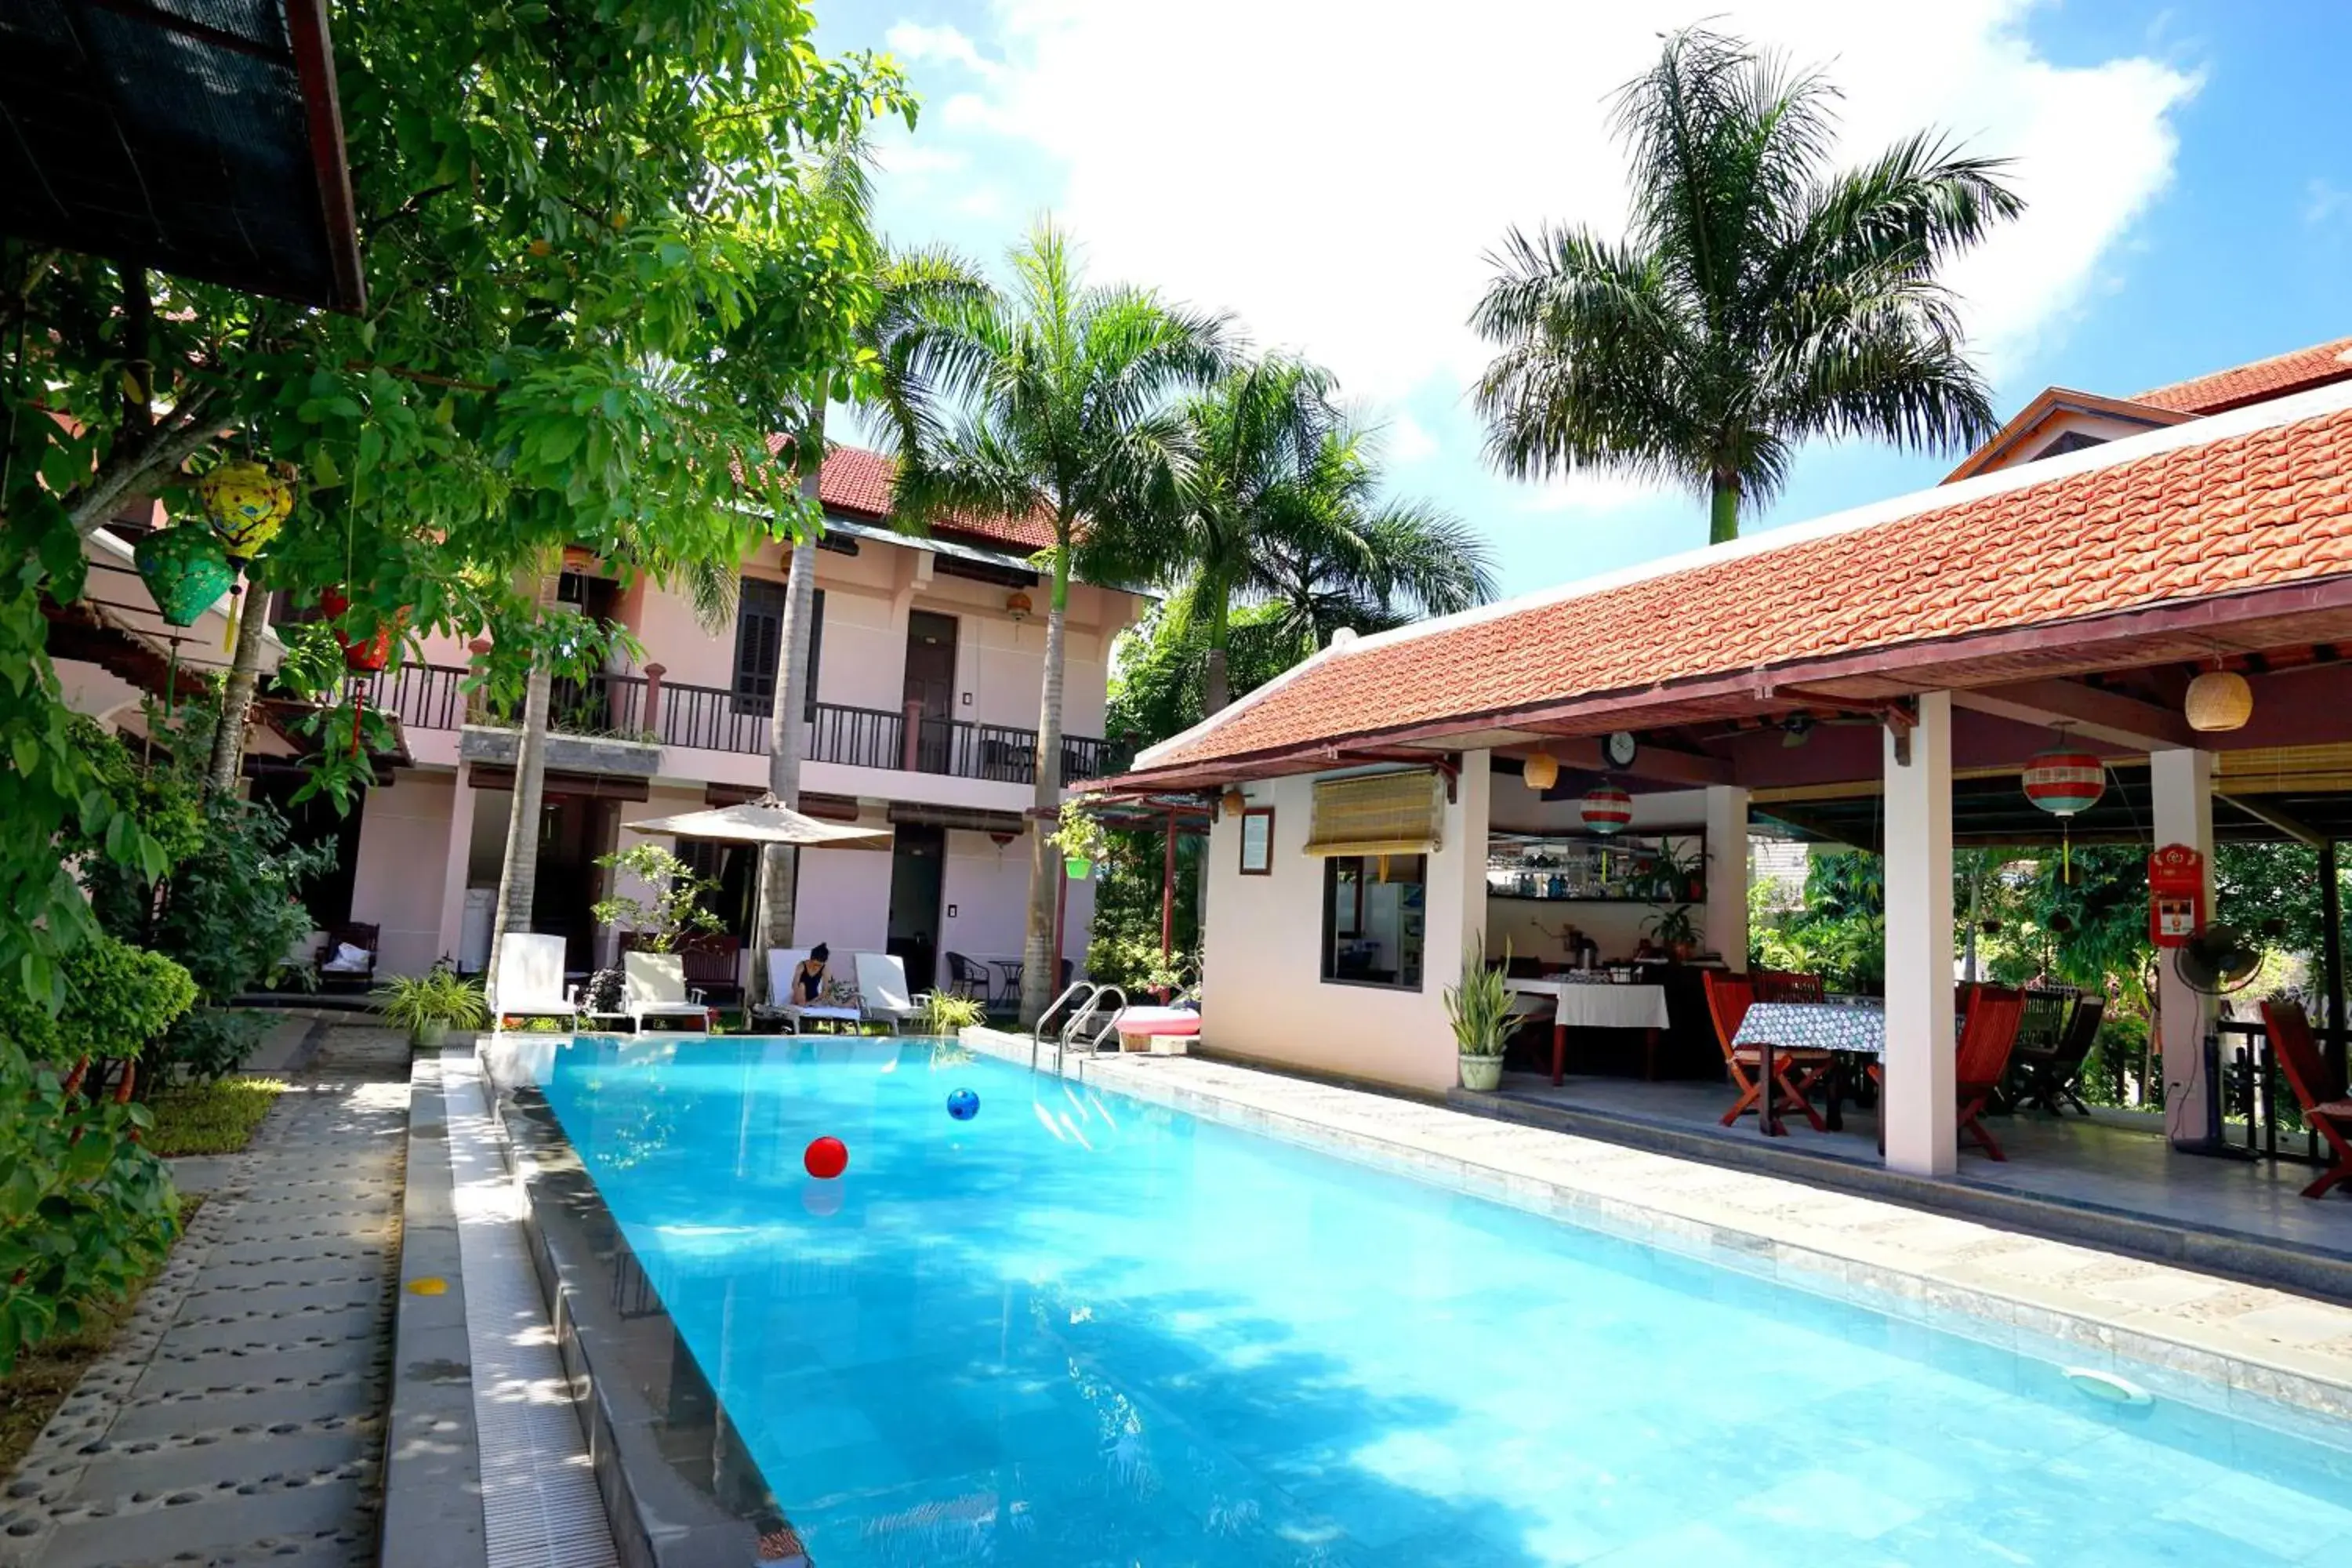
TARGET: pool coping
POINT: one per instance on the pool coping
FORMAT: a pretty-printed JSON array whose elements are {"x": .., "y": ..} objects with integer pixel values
[
  {"x": 660, "y": 1512},
  {"x": 1934, "y": 1269}
]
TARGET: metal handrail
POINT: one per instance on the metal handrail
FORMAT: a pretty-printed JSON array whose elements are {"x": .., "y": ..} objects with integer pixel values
[
  {"x": 1085, "y": 1016},
  {"x": 1037, "y": 1032}
]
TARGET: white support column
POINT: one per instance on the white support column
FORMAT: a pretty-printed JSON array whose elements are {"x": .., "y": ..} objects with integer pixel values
[
  {"x": 1918, "y": 1107},
  {"x": 2183, "y": 784},
  {"x": 1725, "y": 927},
  {"x": 459, "y": 852}
]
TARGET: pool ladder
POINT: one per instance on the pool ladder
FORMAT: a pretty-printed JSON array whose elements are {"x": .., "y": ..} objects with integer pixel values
[{"x": 1080, "y": 1008}]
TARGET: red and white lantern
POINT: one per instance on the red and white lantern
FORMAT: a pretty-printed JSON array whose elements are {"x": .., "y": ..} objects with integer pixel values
[
  {"x": 2063, "y": 782},
  {"x": 1607, "y": 810}
]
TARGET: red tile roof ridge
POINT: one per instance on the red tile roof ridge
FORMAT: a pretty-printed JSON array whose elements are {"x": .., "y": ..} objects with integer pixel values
[
  {"x": 2233, "y": 385},
  {"x": 2047, "y": 471}
]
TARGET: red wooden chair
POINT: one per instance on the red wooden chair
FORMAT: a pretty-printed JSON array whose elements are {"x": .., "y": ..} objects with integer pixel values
[
  {"x": 2325, "y": 1107},
  {"x": 1989, "y": 1016},
  {"x": 1786, "y": 985},
  {"x": 1728, "y": 997}
]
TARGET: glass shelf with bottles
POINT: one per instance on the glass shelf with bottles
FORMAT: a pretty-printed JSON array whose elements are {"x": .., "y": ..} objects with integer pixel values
[{"x": 1570, "y": 868}]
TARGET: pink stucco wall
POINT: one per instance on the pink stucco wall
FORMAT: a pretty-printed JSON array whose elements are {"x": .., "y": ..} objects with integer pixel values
[{"x": 403, "y": 856}]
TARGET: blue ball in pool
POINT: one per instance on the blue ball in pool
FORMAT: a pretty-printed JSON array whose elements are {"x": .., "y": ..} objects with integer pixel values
[{"x": 963, "y": 1105}]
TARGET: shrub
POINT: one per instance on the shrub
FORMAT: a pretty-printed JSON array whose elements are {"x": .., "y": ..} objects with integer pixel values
[
  {"x": 84, "y": 1213},
  {"x": 436, "y": 997},
  {"x": 677, "y": 909},
  {"x": 209, "y": 1042},
  {"x": 119, "y": 1000},
  {"x": 1133, "y": 964},
  {"x": 229, "y": 910}
]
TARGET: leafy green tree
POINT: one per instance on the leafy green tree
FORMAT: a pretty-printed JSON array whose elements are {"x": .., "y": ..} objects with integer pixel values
[
  {"x": 1759, "y": 298},
  {"x": 1054, "y": 399}
]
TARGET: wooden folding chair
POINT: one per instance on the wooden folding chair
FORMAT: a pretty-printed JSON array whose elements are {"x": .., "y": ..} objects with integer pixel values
[
  {"x": 1795, "y": 1073},
  {"x": 2325, "y": 1107},
  {"x": 1988, "y": 1033}
]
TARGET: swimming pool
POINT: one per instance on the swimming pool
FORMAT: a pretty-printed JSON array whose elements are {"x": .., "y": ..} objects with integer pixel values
[{"x": 1081, "y": 1330}]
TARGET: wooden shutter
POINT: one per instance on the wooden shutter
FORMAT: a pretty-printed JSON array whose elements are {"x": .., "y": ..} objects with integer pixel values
[
  {"x": 759, "y": 640},
  {"x": 1378, "y": 814}
]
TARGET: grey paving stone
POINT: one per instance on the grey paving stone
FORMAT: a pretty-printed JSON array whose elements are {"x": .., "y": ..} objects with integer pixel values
[
  {"x": 204, "y": 1523},
  {"x": 238, "y": 1418},
  {"x": 235, "y": 1410}
]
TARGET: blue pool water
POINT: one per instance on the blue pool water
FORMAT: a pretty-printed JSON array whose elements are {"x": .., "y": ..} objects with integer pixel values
[{"x": 1078, "y": 1330}]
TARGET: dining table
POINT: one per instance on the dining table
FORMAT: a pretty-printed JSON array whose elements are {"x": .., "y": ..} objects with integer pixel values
[
  {"x": 1846, "y": 1029},
  {"x": 1596, "y": 1002}
]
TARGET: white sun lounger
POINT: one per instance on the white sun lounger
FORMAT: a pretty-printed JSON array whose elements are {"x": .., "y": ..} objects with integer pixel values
[
  {"x": 882, "y": 982},
  {"x": 530, "y": 982},
  {"x": 653, "y": 990},
  {"x": 782, "y": 963}
]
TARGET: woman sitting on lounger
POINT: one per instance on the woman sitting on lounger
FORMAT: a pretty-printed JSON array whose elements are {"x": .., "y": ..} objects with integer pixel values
[{"x": 808, "y": 978}]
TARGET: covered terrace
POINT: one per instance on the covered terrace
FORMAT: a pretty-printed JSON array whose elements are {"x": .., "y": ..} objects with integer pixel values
[{"x": 1879, "y": 679}]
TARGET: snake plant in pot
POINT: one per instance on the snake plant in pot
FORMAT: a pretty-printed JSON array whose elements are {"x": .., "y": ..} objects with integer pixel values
[{"x": 1479, "y": 1008}]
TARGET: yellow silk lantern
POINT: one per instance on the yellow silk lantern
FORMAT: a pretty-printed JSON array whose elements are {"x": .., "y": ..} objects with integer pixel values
[{"x": 246, "y": 505}]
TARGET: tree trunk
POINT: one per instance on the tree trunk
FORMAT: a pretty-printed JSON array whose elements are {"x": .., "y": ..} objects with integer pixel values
[
  {"x": 1218, "y": 691},
  {"x": 1723, "y": 516},
  {"x": 252, "y": 610},
  {"x": 1976, "y": 901},
  {"x": 1041, "y": 967},
  {"x": 776, "y": 911},
  {"x": 518, "y": 872}
]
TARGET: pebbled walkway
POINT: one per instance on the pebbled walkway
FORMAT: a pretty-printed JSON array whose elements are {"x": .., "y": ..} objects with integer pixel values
[{"x": 240, "y": 1417}]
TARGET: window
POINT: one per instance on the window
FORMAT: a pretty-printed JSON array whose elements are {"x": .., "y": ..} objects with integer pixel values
[
  {"x": 760, "y": 642},
  {"x": 1373, "y": 916}
]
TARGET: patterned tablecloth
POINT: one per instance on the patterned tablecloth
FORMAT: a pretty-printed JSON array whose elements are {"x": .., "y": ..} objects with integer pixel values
[
  {"x": 1815, "y": 1027},
  {"x": 1588, "y": 1004}
]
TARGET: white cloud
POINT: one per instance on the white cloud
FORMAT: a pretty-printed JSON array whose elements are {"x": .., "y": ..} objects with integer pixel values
[
  {"x": 1404, "y": 439},
  {"x": 922, "y": 44},
  {"x": 1334, "y": 173},
  {"x": 2322, "y": 199}
]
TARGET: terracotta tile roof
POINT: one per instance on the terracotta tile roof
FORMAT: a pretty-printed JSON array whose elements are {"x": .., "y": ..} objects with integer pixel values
[
  {"x": 2265, "y": 378},
  {"x": 857, "y": 482},
  {"x": 2204, "y": 507}
]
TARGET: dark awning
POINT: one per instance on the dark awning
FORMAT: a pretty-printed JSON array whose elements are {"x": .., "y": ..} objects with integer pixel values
[{"x": 196, "y": 137}]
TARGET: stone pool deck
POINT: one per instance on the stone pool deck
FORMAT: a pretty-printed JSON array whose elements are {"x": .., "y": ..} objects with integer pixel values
[
  {"x": 240, "y": 1418},
  {"x": 2261, "y": 1351}
]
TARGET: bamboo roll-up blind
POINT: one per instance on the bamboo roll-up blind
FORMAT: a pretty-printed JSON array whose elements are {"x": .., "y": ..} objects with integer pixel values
[{"x": 1378, "y": 814}]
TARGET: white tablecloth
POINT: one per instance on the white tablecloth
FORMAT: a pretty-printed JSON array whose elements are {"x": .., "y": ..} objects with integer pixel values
[{"x": 1582, "y": 1004}]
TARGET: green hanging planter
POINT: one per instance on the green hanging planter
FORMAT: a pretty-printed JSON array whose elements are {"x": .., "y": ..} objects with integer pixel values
[
  {"x": 185, "y": 570},
  {"x": 1078, "y": 867}
]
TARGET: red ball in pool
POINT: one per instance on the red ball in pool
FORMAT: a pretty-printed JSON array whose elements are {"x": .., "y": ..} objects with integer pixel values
[{"x": 826, "y": 1158}]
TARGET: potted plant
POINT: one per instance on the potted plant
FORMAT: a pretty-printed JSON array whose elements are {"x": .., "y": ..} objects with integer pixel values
[
  {"x": 1673, "y": 928},
  {"x": 676, "y": 911},
  {"x": 429, "y": 1006},
  {"x": 1479, "y": 1008},
  {"x": 1081, "y": 841}
]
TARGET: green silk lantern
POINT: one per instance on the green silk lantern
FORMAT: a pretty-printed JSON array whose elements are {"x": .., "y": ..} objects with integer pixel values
[{"x": 184, "y": 570}]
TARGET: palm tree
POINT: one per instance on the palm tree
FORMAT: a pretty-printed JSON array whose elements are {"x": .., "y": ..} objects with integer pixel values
[
  {"x": 1056, "y": 400},
  {"x": 1353, "y": 560},
  {"x": 1757, "y": 299}
]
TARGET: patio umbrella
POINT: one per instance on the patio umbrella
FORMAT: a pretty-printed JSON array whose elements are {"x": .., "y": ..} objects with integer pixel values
[{"x": 766, "y": 820}]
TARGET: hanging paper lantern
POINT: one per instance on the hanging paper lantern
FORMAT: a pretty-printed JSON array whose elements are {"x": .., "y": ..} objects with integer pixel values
[
  {"x": 2219, "y": 699},
  {"x": 2063, "y": 782},
  {"x": 1607, "y": 809},
  {"x": 1235, "y": 802},
  {"x": 185, "y": 570},
  {"x": 1540, "y": 772},
  {"x": 362, "y": 656},
  {"x": 248, "y": 504}
]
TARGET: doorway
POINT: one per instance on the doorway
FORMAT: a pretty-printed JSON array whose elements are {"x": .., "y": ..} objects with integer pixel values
[
  {"x": 917, "y": 877},
  {"x": 930, "y": 681}
]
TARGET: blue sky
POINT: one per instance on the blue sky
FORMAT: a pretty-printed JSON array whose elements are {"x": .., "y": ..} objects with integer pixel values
[{"x": 1335, "y": 178}]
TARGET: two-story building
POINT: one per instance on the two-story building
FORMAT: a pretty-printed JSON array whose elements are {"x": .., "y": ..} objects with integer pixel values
[{"x": 929, "y": 655}]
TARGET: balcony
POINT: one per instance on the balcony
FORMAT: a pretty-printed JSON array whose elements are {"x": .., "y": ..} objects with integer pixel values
[{"x": 713, "y": 719}]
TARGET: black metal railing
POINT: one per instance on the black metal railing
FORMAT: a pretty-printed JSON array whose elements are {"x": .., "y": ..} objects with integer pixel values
[{"x": 714, "y": 719}]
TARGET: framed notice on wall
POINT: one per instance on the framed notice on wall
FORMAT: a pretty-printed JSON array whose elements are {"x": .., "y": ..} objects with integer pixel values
[{"x": 1258, "y": 841}]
